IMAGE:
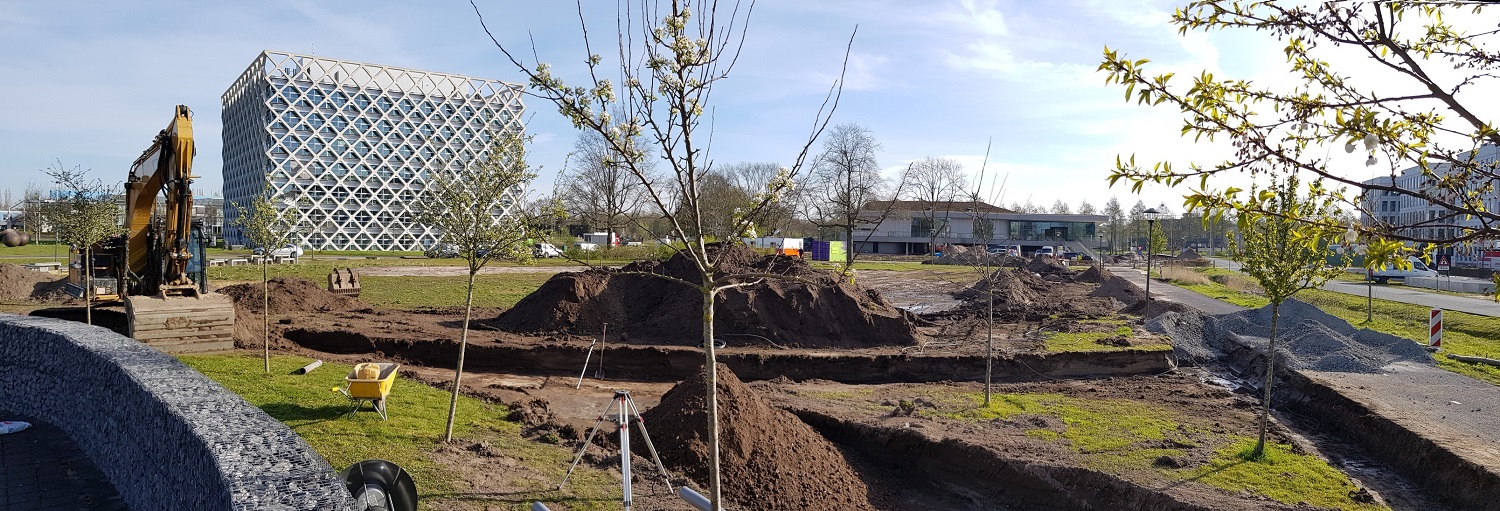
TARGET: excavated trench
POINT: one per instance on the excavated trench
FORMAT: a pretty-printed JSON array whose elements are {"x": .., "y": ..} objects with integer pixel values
[
  {"x": 1325, "y": 411},
  {"x": 986, "y": 479},
  {"x": 671, "y": 363}
]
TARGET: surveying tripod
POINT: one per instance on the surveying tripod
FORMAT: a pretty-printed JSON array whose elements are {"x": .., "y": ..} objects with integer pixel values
[{"x": 626, "y": 413}]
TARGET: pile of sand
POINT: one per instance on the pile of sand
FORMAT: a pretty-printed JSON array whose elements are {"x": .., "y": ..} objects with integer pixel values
[
  {"x": 769, "y": 459},
  {"x": 814, "y": 310},
  {"x": 18, "y": 283}
]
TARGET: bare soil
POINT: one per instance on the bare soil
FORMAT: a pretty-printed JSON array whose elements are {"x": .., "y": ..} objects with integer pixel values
[
  {"x": 790, "y": 304},
  {"x": 885, "y": 461}
]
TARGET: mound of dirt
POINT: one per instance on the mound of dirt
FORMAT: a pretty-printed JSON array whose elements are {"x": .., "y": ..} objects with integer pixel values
[
  {"x": 289, "y": 294},
  {"x": 815, "y": 310},
  {"x": 1095, "y": 274},
  {"x": 769, "y": 459},
  {"x": 1048, "y": 265},
  {"x": 1120, "y": 289},
  {"x": 1189, "y": 254},
  {"x": 18, "y": 283},
  {"x": 1013, "y": 286}
]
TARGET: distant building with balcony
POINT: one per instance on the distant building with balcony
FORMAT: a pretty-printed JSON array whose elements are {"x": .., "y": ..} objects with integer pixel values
[
  {"x": 917, "y": 227},
  {"x": 352, "y": 145}
]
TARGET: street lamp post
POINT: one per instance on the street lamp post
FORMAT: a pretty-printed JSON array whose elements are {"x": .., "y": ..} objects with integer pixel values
[{"x": 1150, "y": 215}]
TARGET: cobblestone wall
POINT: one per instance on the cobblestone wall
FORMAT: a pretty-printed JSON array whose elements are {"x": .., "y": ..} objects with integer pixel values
[{"x": 167, "y": 437}]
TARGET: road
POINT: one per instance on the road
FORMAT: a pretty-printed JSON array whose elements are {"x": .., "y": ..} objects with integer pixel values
[{"x": 1403, "y": 294}]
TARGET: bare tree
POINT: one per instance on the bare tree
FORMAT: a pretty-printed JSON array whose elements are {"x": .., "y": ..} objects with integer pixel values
[
  {"x": 269, "y": 221},
  {"x": 599, "y": 190},
  {"x": 750, "y": 179},
  {"x": 476, "y": 210},
  {"x": 85, "y": 217},
  {"x": 1085, "y": 208},
  {"x": 935, "y": 183},
  {"x": 1060, "y": 208},
  {"x": 845, "y": 178},
  {"x": 667, "y": 79}
]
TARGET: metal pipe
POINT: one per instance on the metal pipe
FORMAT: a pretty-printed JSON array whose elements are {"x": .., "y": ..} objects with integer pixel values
[{"x": 693, "y": 499}]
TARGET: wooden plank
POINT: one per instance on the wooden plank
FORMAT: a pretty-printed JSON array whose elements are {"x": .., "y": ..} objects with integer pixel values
[
  {"x": 200, "y": 347},
  {"x": 151, "y": 324},
  {"x": 184, "y": 334}
]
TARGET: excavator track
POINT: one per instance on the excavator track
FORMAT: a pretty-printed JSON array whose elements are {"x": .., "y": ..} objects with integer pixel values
[{"x": 182, "y": 324}]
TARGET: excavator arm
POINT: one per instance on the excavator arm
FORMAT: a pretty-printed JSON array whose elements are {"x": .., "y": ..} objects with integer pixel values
[
  {"x": 160, "y": 265},
  {"x": 165, "y": 308}
]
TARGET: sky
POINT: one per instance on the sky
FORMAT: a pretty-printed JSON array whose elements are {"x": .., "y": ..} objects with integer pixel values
[{"x": 90, "y": 83}]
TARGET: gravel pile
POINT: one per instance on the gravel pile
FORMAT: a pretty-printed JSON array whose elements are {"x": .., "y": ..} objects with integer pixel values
[{"x": 1306, "y": 338}]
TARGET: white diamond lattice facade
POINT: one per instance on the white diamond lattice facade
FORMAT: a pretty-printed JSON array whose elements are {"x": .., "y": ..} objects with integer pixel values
[{"x": 350, "y": 145}]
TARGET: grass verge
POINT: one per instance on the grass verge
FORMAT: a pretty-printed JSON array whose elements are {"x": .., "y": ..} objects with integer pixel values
[{"x": 418, "y": 415}]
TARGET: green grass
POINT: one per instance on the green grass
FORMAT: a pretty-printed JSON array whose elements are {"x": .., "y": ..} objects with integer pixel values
[
  {"x": 418, "y": 415},
  {"x": 1084, "y": 341},
  {"x": 497, "y": 291},
  {"x": 1282, "y": 475},
  {"x": 1124, "y": 437},
  {"x": 1464, "y": 334}
]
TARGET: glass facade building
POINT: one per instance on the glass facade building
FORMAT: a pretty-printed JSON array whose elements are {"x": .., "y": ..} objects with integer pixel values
[{"x": 351, "y": 145}]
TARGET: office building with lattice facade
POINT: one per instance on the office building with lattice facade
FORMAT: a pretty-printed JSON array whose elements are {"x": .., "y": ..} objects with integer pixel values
[{"x": 350, "y": 145}]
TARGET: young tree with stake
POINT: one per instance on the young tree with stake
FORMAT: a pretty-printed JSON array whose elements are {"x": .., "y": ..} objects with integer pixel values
[
  {"x": 1285, "y": 245},
  {"x": 268, "y": 221},
  {"x": 84, "y": 218},
  {"x": 670, "y": 58},
  {"x": 477, "y": 210}
]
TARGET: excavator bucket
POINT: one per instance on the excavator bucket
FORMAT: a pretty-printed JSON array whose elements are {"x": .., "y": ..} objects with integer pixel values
[
  {"x": 343, "y": 281},
  {"x": 182, "y": 324}
]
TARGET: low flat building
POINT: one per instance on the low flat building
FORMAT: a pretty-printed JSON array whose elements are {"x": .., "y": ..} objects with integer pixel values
[{"x": 917, "y": 227}]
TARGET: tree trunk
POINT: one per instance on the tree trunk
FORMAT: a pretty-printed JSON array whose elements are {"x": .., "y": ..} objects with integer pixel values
[
  {"x": 1265, "y": 405},
  {"x": 88, "y": 287},
  {"x": 711, "y": 373},
  {"x": 463, "y": 344},
  {"x": 265, "y": 310},
  {"x": 989, "y": 337}
]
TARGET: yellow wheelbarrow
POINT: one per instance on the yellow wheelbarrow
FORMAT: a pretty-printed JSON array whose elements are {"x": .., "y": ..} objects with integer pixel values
[{"x": 369, "y": 382}]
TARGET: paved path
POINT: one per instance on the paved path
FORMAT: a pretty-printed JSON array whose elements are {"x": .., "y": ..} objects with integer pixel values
[
  {"x": 41, "y": 469},
  {"x": 1203, "y": 303},
  {"x": 1404, "y": 294}
]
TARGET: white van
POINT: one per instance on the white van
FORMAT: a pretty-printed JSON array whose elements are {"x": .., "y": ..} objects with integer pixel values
[
  {"x": 1386, "y": 273},
  {"x": 1046, "y": 251},
  {"x": 544, "y": 250}
]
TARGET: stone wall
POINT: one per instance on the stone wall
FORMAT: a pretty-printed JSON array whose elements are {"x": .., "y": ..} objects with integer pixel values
[{"x": 167, "y": 437}]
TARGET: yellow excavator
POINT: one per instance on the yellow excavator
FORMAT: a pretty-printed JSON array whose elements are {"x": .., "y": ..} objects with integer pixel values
[{"x": 157, "y": 267}]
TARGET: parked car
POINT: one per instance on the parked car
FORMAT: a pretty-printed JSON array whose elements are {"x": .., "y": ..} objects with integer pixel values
[
  {"x": 441, "y": 251},
  {"x": 286, "y": 251},
  {"x": 543, "y": 250},
  {"x": 1048, "y": 251},
  {"x": 1386, "y": 273}
]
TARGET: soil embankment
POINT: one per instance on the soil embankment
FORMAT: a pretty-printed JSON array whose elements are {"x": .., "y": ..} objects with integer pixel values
[{"x": 801, "y": 307}]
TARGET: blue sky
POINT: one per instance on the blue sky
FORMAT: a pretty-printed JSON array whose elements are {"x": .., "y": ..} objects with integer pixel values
[{"x": 90, "y": 83}]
